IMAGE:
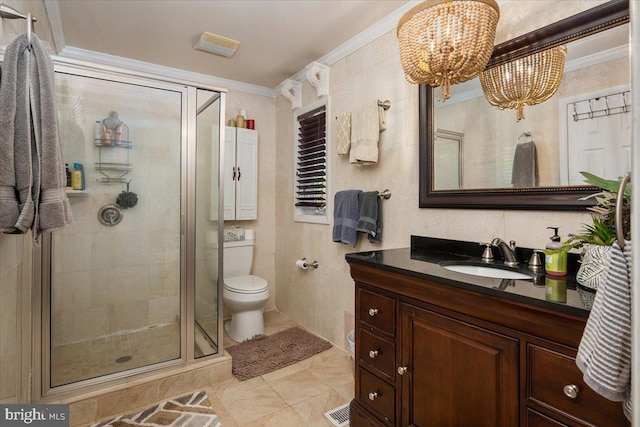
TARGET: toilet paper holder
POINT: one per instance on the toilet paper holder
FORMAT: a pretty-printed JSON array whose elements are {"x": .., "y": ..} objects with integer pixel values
[{"x": 314, "y": 264}]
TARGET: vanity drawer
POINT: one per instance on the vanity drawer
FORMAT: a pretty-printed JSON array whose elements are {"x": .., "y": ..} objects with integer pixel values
[
  {"x": 536, "y": 419},
  {"x": 377, "y": 396},
  {"x": 377, "y": 353},
  {"x": 377, "y": 311},
  {"x": 549, "y": 376}
]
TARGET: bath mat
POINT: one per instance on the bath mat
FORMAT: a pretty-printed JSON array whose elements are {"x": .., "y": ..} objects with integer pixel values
[
  {"x": 262, "y": 355},
  {"x": 193, "y": 410}
]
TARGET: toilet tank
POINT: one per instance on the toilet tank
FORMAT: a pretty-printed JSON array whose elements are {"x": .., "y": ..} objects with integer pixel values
[{"x": 238, "y": 258}]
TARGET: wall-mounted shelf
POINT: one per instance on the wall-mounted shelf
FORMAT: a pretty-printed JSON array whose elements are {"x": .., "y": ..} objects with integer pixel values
[
  {"x": 113, "y": 171},
  {"x": 76, "y": 193}
]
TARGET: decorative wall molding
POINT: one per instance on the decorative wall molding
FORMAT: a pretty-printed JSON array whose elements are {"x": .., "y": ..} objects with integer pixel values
[
  {"x": 292, "y": 90},
  {"x": 160, "y": 70},
  {"x": 318, "y": 76}
]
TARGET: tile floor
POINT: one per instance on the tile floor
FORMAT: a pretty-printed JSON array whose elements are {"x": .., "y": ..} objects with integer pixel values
[
  {"x": 296, "y": 396},
  {"x": 97, "y": 357}
]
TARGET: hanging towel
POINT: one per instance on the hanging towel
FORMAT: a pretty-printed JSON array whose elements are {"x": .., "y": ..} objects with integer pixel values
[
  {"x": 346, "y": 212},
  {"x": 604, "y": 354},
  {"x": 525, "y": 165},
  {"x": 366, "y": 125},
  {"x": 344, "y": 133},
  {"x": 32, "y": 172},
  {"x": 370, "y": 221}
]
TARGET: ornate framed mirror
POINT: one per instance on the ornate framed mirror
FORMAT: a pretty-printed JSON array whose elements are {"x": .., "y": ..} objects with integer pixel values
[{"x": 597, "y": 42}]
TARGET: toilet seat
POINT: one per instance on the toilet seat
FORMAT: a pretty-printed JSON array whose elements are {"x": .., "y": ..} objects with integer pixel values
[{"x": 245, "y": 284}]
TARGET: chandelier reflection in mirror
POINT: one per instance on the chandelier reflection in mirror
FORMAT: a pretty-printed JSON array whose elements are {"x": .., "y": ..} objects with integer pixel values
[
  {"x": 445, "y": 42},
  {"x": 525, "y": 81}
]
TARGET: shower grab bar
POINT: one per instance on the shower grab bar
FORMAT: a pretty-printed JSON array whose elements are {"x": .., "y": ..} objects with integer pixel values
[
  {"x": 619, "y": 202},
  {"x": 8, "y": 12}
]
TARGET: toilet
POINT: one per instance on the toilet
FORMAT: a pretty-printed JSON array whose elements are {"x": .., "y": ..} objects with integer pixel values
[{"x": 244, "y": 295}]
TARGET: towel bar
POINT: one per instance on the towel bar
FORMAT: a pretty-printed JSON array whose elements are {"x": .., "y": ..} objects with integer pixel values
[
  {"x": 619, "y": 200},
  {"x": 385, "y": 194}
]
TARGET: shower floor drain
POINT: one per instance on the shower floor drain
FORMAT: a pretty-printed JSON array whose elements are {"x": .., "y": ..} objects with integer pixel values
[
  {"x": 339, "y": 416},
  {"x": 123, "y": 359}
]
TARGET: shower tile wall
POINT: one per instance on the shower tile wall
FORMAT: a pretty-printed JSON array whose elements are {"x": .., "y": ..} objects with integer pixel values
[{"x": 107, "y": 280}]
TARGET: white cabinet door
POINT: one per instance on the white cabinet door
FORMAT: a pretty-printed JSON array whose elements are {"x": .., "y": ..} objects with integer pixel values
[
  {"x": 247, "y": 178},
  {"x": 240, "y": 174},
  {"x": 229, "y": 173}
]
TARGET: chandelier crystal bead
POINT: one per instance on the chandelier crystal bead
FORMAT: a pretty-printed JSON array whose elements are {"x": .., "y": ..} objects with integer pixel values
[
  {"x": 445, "y": 42},
  {"x": 524, "y": 81}
]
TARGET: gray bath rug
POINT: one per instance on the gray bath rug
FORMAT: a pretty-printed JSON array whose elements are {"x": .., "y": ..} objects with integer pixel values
[{"x": 262, "y": 355}]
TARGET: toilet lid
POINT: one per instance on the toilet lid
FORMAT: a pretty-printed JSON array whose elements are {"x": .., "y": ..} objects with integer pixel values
[{"x": 245, "y": 284}]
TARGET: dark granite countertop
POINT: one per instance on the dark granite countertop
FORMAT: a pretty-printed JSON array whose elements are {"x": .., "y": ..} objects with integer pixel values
[{"x": 423, "y": 258}]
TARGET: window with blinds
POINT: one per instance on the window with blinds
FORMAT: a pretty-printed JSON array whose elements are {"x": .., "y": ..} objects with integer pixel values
[{"x": 311, "y": 162}]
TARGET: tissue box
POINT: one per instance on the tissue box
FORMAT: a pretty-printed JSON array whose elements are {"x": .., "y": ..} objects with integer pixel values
[{"x": 233, "y": 234}]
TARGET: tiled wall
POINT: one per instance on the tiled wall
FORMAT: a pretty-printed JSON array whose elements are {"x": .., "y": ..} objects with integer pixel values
[
  {"x": 262, "y": 110},
  {"x": 323, "y": 299}
]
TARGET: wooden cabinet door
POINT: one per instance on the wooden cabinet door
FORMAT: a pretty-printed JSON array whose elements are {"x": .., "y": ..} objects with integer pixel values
[
  {"x": 230, "y": 173},
  {"x": 247, "y": 177},
  {"x": 457, "y": 374}
]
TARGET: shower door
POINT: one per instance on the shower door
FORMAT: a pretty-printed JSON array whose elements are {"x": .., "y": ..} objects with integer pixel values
[{"x": 131, "y": 286}]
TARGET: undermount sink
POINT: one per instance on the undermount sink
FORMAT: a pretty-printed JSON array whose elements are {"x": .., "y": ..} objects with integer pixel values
[{"x": 493, "y": 271}]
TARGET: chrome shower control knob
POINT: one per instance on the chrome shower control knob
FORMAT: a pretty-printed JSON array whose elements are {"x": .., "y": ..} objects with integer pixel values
[
  {"x": 373, "y": 395},
  {"x": 373, "y": 312},
  {"x": 571, "y": 391},
  {"x": 374, "y": 353},
  {"x": 402, "y": 370}
]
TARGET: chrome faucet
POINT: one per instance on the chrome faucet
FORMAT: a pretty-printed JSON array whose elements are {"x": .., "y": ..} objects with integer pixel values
[{"x": 508, "y": 251}]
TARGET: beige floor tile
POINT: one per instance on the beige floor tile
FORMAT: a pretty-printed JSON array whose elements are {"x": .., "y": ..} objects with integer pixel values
[
  {"x": 249, "y": 400},
  {"x": 312, "y": 410},
  {"x": 300, "y": 386},
  {"x": 225, "y": 418},
  {"x": 283, "y": 372},
  {"x": 284, "y": 418}
]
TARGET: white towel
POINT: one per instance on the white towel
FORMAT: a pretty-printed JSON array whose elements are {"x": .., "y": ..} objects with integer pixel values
[
  {"x": 366, "y": 124},
  {"x": 344, "y": 133},
  {"x": 604, "y": 354}
]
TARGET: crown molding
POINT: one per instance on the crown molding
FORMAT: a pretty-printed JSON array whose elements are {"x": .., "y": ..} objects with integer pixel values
[
  {"x": 377, "y": 30},
  {"x": 160, "y": 70}
]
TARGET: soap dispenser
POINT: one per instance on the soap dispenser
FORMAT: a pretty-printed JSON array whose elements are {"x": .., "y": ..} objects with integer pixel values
[{"x": 555, "y": 256}]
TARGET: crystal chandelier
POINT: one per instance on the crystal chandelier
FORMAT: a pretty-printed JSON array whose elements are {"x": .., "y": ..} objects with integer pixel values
[
  {"x": 525, "y": 81},
  {"x": 445, "y": 42}
]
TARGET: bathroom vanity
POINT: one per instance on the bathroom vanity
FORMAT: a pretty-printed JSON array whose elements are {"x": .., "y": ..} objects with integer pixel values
[{"x": 441, "y": 348}]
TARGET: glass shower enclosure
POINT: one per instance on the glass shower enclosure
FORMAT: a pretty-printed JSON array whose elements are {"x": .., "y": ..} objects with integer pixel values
[{"x": 132, "y": 284}]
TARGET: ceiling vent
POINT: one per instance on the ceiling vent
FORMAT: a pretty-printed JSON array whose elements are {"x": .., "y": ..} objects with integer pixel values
[{"x": 219, "y": 45}]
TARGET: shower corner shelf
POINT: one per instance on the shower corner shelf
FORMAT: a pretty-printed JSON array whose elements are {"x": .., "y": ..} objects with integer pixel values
[
  {"x": 75, "y": 193},
  {"x": 112, "y": 143},
  {"x": 113, "y": 172}
]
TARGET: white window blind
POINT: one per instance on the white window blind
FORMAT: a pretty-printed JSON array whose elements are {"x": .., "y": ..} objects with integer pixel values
[{"x": 311, "y": 167}]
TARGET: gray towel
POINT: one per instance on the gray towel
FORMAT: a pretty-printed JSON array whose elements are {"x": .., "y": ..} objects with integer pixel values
[
  {"x": 346, "y": 212},
  {"x": 370, "y": 221},
  {"x": 604, "y": 354},
  {"x": 29, "y": 143},
  {"x": 525, "y": 165}
]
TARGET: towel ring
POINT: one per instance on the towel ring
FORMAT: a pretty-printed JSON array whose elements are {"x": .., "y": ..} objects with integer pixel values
[
  {"x": 526, "y": 135},
  {"x": 619, "y": 201}
]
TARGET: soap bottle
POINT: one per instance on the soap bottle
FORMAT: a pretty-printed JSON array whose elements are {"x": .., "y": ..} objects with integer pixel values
[
  {"x": 555, "y": 256},
  {"x": 77, "y": 177},
  {"x": 68, "y": 173}
]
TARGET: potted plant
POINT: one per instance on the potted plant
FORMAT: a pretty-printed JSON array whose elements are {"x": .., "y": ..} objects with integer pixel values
[{"x": 596, "y": 239}]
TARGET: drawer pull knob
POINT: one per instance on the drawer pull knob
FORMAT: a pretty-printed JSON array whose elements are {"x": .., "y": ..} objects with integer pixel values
[
  {"x": 374, "y": 353},
  {"x": 402, "y": 370},
  {"x": 373, "y": 395},
  {"x": 373, "y": 312},
  {"x": 571, "y": 391}
]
